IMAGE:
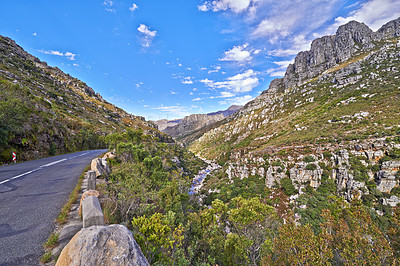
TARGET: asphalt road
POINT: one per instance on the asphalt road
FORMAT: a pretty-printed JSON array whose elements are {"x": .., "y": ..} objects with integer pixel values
[{"x": 31, "y": 196}]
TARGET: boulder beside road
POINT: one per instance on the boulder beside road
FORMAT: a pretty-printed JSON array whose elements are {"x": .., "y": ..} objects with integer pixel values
[{"x": 102, "y": 245}]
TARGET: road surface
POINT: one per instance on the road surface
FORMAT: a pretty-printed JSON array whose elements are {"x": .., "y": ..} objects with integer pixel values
[{"x": 31, "y": 196}]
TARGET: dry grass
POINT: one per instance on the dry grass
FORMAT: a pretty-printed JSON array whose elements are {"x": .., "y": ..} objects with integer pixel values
[{"x": 62, "y": 217}]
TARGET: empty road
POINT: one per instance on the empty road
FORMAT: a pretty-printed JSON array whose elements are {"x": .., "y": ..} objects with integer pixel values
[{"x": 31, "y": 196}]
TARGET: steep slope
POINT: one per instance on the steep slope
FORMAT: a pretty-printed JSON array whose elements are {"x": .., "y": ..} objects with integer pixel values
[
  {"x": 332, "y": 122},
  {"x": 320, "y": 94},
  {"x": 45, "y": 111}
]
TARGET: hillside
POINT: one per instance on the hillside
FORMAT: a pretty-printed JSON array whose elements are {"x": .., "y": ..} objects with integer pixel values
[
  {"x": 329, "y": 95},
  {"x": 330, "y": 126},
  {"x": 45, "y": 111}
]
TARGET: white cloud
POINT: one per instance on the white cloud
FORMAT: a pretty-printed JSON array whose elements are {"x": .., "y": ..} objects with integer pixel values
[
  {"x": 237, "y": 54},
  {"x": 299, "y": 43},
  {"x": 172, "y": 92},
  {"x": 374, "y": 13},
  {"x": 176, "y": 110},
  {"x": 146, "y": 31},
  {"x": 68, "y": 55},
  {"x": 148, "y": 35},
  {"x": 242, "y": 100},
  {"x": 187, "y": 80},
  {"x": 239, "y": 83},
  {"x": 269, "y": 27},
  {"x": 206, "y": 81},
  {"x": 197, "y": 99},
  {"x": 216, "y": 69},
  {"x": 34, "y": 34},
  {"x": 109, "y": 6},
  {"x": 133, "y": 7},
  {"x": 236, "y": 6},
  {"x": 279, "y": 71},
  {"x": 226, "y": 94},
  {"x": 203, "y": 7}
]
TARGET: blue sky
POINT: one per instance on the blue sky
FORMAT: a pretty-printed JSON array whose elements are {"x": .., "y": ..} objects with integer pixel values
[{"x": 167, "y": 59}]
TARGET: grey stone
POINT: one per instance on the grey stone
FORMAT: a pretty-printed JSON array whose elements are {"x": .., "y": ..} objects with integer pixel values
[
  {"x": 91, "y": 177},
  {"x": 392, "y": 201},
  {"x": 91, "y": 212},
  {"x": 102, "y": 245},
  {"x": 393, "y": 166}
]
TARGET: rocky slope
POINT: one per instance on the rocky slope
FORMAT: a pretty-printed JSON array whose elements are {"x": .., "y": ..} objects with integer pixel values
[
  {"x": 46, "y": 111},
  {"x": 189, "y": 127},
  {"x": 333, "y": 117}
]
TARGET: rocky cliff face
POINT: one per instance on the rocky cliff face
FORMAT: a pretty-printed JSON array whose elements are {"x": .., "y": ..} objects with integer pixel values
[
  {"x": 329, "y": 51},
  {"x": 338, "y": 103},
  {"x": 187, "y": 128}
]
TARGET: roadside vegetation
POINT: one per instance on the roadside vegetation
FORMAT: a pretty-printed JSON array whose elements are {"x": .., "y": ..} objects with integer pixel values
[{"x": 242, "y": 222}]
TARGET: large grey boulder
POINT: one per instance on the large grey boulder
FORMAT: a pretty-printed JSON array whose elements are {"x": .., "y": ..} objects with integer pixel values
[{"x": 102, "y": 245}]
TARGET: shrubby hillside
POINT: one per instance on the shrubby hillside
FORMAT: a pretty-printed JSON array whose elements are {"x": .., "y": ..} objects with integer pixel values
[{"x": 44, "y": 111}]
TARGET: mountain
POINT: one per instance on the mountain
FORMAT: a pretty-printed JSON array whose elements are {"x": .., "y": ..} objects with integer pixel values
[
  {"x": 231, "y": 110},
  {"x": 164, "y": 123},
  {"x": 187, "y": 128},
  {"x": 334, "y": 116},
  {"x": 46, "y": 111}
]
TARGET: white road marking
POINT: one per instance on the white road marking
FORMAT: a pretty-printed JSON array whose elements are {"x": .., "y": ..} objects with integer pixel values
[
  {"x": 27, "y": 173},
  {"x": 46, "y": 165},
  {"x": 56, "y": 162}
]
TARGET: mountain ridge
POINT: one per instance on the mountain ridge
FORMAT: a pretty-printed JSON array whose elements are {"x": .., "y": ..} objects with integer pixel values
[
  {"x": 49, "y": 112},
  {"x": 189, "y": 125}
]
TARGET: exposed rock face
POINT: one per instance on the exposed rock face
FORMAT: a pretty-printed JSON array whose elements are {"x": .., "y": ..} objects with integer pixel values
[
  {"x": 386, "y": 179},
  {"x": 329, "y": 51},
  {"x": 392, "y": 201},
  {"x": 195, "y": 122},
  {"x": 102, "y": 245},
  {"x": 300, "y": 174},
  {"x": 164, "y": 123},
  {"x": 192, "y": 123},
  {"x": 231, "y": 110}
]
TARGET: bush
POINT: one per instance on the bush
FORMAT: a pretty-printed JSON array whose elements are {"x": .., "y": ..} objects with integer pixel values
[
  {"x": 309, "y": 159},
  {"x": 53, "y": 149},
  {"x": 311, "y": 166},
  {"x": 327, "y": 154},
  {"x": 395, "y": 191},
  {"x": 287, "y": 186}
]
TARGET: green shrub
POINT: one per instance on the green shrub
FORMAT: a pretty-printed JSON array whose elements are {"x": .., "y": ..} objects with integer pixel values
[
  {"x": 327, "y": 154},
  {"x": 287, "y": 186},
  {"x": 53, "y": 149},
  {"x": 395, "y": 191},
  {"x": 309, "y": 159},
  {"x": 311, "y": 166}
]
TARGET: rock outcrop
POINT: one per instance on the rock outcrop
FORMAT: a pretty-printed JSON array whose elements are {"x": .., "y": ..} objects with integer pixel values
[
  {"x": 100, "y": 166},
  {"x": 193, "y": 123},
  {"x": 102, "y": 245}
]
